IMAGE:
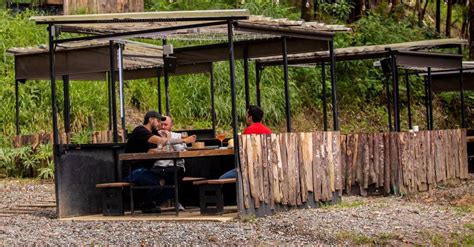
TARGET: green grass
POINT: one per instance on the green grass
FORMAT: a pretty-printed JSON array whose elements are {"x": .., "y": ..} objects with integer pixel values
[
  {"x": 343, "y": 204},
  {"x": 362, "y": 239}
]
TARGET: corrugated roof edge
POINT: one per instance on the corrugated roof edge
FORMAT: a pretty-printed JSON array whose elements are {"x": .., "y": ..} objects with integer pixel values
[{"x": 145, "y": 16}]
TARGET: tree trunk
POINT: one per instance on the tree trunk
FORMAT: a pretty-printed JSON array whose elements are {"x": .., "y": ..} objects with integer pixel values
[
  {"x": 306, "y": 7},
  {"x": 356, "y": 11},
  {"x": 438, "y": 16},
  {"x": 448, "y": 18},
  {"x": 471, "y": 29},
  {"x": 423, "y": 12}
]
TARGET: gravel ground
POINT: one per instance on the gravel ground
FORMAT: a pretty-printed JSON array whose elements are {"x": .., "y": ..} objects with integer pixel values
[{"x": 441, "y": 217}]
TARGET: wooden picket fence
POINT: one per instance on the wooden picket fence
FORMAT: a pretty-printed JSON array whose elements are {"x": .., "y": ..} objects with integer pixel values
[
  {"x": 403, "y": 162},
  {"x": 290, "y": 169},
  {"x": 295, "y": 169}
]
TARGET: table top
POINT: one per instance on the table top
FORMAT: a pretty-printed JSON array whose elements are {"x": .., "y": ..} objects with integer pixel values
[
  {"x": 470, "y": 139},
  {"x": 176, "y": 155}
]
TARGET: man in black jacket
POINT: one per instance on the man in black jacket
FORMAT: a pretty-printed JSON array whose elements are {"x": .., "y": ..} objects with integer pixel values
[{"x": 144, "y": 139}]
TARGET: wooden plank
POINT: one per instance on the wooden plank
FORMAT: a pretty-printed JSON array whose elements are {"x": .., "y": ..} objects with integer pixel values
[
  {"x": 277, "y": 169},
  {"x": 292, "y": 169},
  {"x": 402, "y": 159},
  {"x": 308, "y": 160},
  {"x": 268, "y": 143},
  {"x": 343, "y": 160},
  {"x": 317, "y": 159},
  {"x": 171, "y": 155},
  {"x": 254, "y": 182},
  {"x": 324, "y": 168},
  {"x": 263, "y": 142},
  {"x": 394, "y": 162},
  {"x": 351, "y": 153},
  {"x": 423, "y": 168},
  {"x": 376, "y": 159},
  {"x": 463, "y": 156},
  {"x": 387, "y": 163},
  {"x": 244, "y": 170},
  {"x": 336, "y": 148},
  {"x": 457, "y": 150},
  {"x": 259, "y": 166},
  {"x": 331, "y": 161},
  {"x": 372, "y": 163},
  {"x": 284, "y": 156},
  {"x": 301, "y": 140},
  {"x": 298, "y": 165}
]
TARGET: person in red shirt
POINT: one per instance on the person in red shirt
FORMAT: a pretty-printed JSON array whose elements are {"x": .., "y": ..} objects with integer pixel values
[{"x": 253, "y": 117}]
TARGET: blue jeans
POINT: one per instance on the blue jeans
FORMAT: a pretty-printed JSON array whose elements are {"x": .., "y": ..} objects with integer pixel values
[
  {"x": 229, "y": 174},
  {"x": 150, "y": 197}
]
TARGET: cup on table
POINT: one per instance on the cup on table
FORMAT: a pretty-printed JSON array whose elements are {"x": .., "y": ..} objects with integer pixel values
[{"x": 416, "y": 128}]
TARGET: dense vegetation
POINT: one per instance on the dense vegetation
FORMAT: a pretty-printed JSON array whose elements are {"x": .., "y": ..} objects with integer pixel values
[{"x": 362, "y": 103}]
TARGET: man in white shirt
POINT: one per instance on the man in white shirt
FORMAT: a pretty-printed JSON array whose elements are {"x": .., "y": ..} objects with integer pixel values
[{"x": 164, "y": 168}]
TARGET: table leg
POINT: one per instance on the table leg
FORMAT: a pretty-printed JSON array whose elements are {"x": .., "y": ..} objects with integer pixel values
[
  {"x": 176, "y": 201},
  {"x": 132, "y": 211}
]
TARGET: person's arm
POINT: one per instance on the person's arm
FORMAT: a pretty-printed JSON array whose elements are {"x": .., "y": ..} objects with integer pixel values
[
  {"x": 157, "y": 140},
  {"x": 187, "y": 140}
]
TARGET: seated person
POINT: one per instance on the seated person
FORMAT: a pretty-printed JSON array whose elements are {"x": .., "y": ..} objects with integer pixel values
[
  {"x": 142, "y": 140},
  {"x": 253, "y": 119},
  {"x": 164, "y": 168}
]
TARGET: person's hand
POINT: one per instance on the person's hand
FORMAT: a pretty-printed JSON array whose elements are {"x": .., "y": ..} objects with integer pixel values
[
  {"x": 190, "y": 139},
  {"x": 165, "y": 134}
]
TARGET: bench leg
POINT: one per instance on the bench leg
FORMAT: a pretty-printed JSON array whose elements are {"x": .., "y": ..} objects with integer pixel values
[{"x": 211, "y": 199}]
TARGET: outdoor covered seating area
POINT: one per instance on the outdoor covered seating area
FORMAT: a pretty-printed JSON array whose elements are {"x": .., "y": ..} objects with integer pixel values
[{"x": 76, "y": 192}]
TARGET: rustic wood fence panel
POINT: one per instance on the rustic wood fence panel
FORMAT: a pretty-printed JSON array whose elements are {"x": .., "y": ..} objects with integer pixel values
[
  {"x": 289, "y": 170},
  {"x": 403, "y": 162},
  {"x": 36, "y": 139},
  {"x": 102, "y": 6}
]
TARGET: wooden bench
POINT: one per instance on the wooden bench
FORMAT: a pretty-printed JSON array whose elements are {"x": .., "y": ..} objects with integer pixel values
[
  {"x": 112, "y": 198},
  {"x": 211, "y": 198}
]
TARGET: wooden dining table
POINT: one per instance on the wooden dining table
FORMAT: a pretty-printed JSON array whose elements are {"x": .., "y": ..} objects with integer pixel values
[{"x": 173, "y": 155}]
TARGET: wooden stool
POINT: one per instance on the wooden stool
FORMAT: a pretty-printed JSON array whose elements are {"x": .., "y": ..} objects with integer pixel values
[
  {"x": 112, "y": 198},
  {"x": 211, "y": 198}
]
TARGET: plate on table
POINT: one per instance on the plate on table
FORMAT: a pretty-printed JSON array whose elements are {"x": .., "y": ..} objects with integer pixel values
[{"x": 204, "y": 148}]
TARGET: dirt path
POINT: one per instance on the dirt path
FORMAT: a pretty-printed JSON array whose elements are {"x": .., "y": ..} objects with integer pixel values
[{"x": 441, "y": 217}]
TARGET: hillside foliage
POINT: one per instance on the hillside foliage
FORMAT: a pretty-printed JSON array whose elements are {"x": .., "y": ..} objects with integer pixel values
[{"x": 360, "y": 88}]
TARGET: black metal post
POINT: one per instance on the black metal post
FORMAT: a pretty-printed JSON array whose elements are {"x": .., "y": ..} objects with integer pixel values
[
  {"x": 112, "y": 79},
  {"x": 396, "y": 112},
  {"x": 121, "y": 90},
  {"x": 332, "y": 55},
  {"x": 430, "y": 99},
  {"x": 52, "y": 71},
  {"x": 158, "y": 80},
  {"x": 109, "y": 98},
  {"x": 167, "y": 83},
  {"x": 461, "y": 85},
  {"x": 324, "y": 96},
  {"x": 287, "y": 86},
  {"x": 257, "y": 83},
  {"x": 67, "y": 105},
  {"x": 246, "y": 77},
  {"x": 213, "y": 109},
  {"x": 389, "y": 111},
  {"x": 407, "y": 81},
  {"x": 17, "y": 107},
  {"x": 427, "y": 106},
  {"x": 230, "y": 37}
]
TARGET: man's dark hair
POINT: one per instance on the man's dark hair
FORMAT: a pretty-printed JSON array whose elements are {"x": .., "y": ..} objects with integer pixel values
[
  {"x": 256, "y": 113},
  {"x": 152, "y": 114}
]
